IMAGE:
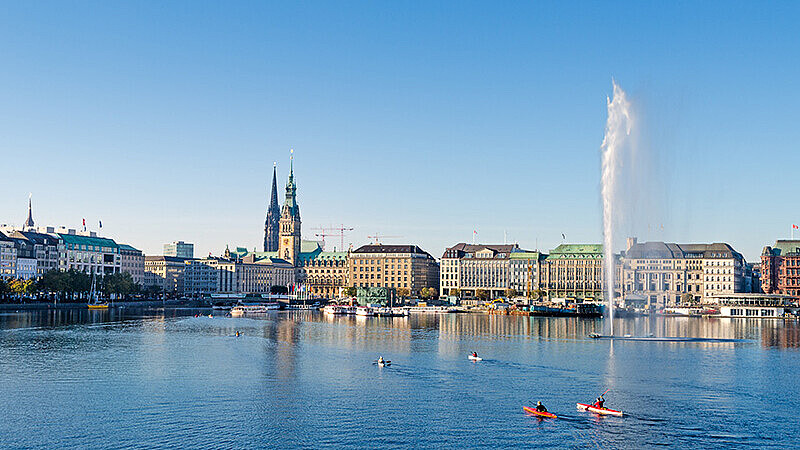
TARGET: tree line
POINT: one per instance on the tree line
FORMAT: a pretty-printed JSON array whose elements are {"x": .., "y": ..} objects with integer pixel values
[{"x": 71, "y": 286}]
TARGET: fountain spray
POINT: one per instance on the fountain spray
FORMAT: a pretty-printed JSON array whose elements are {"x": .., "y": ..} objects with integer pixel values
[{"x": 618, "y": 129}]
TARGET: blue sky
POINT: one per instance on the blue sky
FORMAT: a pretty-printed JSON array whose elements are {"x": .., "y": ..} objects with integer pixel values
[{"x": 425, "y": 120}]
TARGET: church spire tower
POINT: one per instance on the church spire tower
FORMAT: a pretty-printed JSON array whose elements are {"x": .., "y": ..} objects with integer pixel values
[
  {"x": 289, "y": 247},
  {"x": 29, "y": 222},
  {"x": 272, "y": 225}
]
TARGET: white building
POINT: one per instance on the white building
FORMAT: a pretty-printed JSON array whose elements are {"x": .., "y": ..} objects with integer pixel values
[{"x": 91, "y": 254}]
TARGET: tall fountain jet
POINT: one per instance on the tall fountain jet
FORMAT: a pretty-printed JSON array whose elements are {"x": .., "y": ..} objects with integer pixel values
[{"x": 618, "y": 130}]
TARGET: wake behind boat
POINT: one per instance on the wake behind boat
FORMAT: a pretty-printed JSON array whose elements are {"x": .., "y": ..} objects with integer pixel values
[{"x": 651, "y": 338}]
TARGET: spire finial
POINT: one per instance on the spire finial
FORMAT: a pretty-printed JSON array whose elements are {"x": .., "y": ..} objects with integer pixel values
[{"x": 291, "y": 161}]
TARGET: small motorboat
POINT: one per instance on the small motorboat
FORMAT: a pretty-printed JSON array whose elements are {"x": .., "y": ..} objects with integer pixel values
[
  {"x": 603, "y": 411},
  {"x": 475, "y": 358},
  {"x": 532, "y": 410},
  {"x": 97, "y": 305}
]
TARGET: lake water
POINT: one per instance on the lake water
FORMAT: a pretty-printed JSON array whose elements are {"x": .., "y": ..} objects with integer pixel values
[{"x": 155, "y": 378}]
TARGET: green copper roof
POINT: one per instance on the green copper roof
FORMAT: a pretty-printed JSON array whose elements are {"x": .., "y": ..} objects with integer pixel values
[
  {"x": 786, "y": 247},
  {"x": 564, "y": 251},
  {"x": 87, "y": 240}
]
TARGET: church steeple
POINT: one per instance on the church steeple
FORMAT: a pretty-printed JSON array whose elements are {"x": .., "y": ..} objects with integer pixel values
[
  {"x": 289, "y": 248},
  {"x": 272, "y": 224},
  {"x": 29, "y": 222}
]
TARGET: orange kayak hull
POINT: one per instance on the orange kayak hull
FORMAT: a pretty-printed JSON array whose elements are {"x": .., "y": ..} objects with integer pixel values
[
  {"x": 604, "y": 411},
  {"x": 539, "y": 413}
]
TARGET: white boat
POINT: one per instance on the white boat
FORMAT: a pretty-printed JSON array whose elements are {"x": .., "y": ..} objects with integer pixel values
[
  {"x": 475, "y": 358},
  {"x": 335, "y": 309},
  {"x": 364, "y": 311},
  {"x": 253, "y": 310}
]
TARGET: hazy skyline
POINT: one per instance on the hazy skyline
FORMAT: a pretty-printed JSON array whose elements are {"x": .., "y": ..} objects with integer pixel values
[{"x": 425, "y": 121}]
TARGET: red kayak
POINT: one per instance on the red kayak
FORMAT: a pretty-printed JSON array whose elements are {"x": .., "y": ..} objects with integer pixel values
[
  {"x": 605, "y": 411},
  {"x": 539, "y": 413}
]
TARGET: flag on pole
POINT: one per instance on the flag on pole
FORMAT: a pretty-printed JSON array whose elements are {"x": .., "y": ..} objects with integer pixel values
[
  {"x": 795, "y": 227},
  {"x": 84, "y": 224}
]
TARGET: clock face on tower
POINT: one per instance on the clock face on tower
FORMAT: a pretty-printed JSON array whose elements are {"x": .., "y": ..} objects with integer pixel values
[{"x": 285, "y": 242}]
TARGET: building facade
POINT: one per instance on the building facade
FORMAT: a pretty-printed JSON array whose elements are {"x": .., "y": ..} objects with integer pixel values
[
  {"x": 8, "y": 258},
  {"x": 573, "y": 271},
  {"x": 780, "y": 268},
  {"x": 91, "y": 254},
  {"x": 47, "y": 249},
  {"x": 165, "y": 273},
  {"x": 226, "y": 276},
  {"x": 467, "y": 269},
  {"x": 179, "y": 249},
  {"x": 661, "y": 273},
  {"x": 132, "y": 262},
  {"x": 392, "y": 266}
]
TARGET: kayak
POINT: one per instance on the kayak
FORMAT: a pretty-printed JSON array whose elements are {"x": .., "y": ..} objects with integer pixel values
[
  {"x": 475, "y": 358},
  {"x": 539, "y": 413},
  {"x": 604, "y": 411},
  {"x": 385, "y": 363}
]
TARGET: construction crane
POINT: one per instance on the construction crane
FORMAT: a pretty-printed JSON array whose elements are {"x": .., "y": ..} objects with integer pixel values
[
  {"x": 381, "y": 236},
  {"x": 333, "y": 231}
]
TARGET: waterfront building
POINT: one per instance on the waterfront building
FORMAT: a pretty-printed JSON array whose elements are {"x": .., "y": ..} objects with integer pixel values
[
  {"x": 8, "y": 258},
  {"x": 132, "y": 262},
  {"x": 494, "y": 268},
  {"x": 573, "y": 271},
  {"x": 91, "y": 254},
  {"x": 46, "y": 249},
  {"x": 165, "y": 272},
  {"x": 525, "y": 267},
  {"x": 272, "y": 223},
  {"x": 392, "y": 266},
  {"x": 179, "y": 249},
  {"x": 660, "y": 273},
  {"x": 230, "y": 276},
  {"x": 780, "y": 268}
]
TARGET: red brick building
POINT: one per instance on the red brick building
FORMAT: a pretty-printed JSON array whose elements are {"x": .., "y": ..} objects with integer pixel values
[{"x": 780, "y": 268}]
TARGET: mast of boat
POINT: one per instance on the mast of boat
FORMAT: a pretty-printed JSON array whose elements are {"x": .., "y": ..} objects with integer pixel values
[{"x": 92, "y": 292}]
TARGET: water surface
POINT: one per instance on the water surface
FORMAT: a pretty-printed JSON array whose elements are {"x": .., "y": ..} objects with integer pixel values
[{"x": 155, "y": 378}]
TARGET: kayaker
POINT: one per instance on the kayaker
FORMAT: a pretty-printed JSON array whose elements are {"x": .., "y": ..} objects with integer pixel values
[
  {"x": 474, "y": 354},
  {"x": 540, "y": 407},
  {"x": 599, "y": 402},
  {"x": 380, "y": 360}
]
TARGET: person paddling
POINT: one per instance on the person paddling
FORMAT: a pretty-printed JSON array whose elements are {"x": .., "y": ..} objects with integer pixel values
[
  {"x": 380, "y": 360},
  {"x": 474, "y": 354},
  {"x": 599, "y": 402},
  {"x": 540, "y": 407}
]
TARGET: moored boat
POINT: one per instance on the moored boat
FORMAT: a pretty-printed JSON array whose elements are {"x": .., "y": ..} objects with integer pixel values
[
  {"x": 603, "y": 411},
  {"x": 97, "y": 305},
  {"x": 533, "y": 411},
  {"x": 253, "y": 310}
]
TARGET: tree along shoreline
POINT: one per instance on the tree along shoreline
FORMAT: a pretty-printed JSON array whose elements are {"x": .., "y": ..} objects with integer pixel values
[
  {"x": 40, "y": 306},
  {"x": 73, "y": 286}
]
